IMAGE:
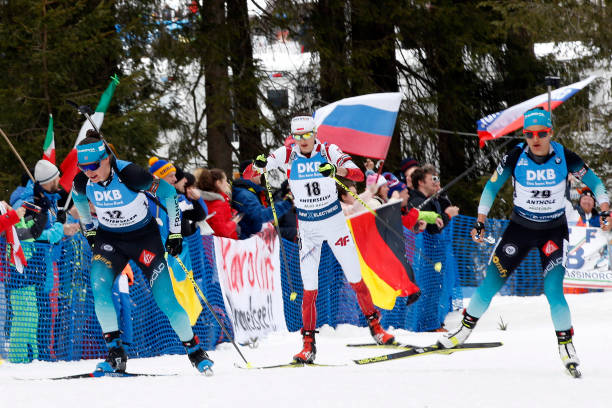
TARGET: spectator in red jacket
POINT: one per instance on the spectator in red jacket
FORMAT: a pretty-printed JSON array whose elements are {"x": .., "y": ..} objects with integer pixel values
[
  {"x": 11, "y": 217},
  {"x": 215, "y": 192}
]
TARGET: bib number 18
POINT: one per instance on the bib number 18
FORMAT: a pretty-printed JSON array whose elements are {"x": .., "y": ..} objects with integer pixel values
[{"x": 313, "y": 189}]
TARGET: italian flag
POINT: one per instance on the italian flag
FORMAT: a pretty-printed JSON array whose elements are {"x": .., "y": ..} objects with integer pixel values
[
  {"x": 49, "y": 146},
  {"x": 69, "y": 165},
  {"x": 17, "y": 257}
]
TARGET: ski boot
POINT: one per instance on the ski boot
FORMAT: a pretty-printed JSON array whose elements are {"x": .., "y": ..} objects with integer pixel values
[
  {"x": 117, "y": 358},
  {"x": 378, "y": 333},
  {"x": 198, "y": 357},
  {"x": 461, "y": 334},
  {"x": 567, "y": 352},
  {"x": 309, "y": 352}
]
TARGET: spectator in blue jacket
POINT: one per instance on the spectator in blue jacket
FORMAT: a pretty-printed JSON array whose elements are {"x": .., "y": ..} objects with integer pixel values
[{"x": 249, "y": 198}]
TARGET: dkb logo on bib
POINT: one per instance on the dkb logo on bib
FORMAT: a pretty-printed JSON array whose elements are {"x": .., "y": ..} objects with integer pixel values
[{"x": 109, "y": 195}]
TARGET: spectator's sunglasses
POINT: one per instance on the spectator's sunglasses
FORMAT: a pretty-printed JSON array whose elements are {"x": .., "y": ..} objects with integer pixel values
[
  {"x": 435, "y": 179},
  {"x": 539, "y": 133},
  {"x": 89, "y": 166},
  {"x": 304, "y": 136}
]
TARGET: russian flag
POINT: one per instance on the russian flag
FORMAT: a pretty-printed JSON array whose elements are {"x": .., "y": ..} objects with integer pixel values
[
  {"x": 501, "y": 123},
  {"x": 362, "y": 125}
]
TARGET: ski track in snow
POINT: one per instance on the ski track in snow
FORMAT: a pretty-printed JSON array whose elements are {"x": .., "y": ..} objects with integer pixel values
[{"x": 525, "y": 372}]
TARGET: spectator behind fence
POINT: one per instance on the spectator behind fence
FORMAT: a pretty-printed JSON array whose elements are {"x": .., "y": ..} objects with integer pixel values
[
  {"x": 408, "y": 166},
  {"x": 376, "y": 184},
  {"x": 427, "y": 183},
  {"x": 191, "y": 203},
  {"x": 249, "y": 198},
  {"x": 288, "y": 222},
  {"x": 584, "y": 214},
  {"x": 215, "y": 192}
]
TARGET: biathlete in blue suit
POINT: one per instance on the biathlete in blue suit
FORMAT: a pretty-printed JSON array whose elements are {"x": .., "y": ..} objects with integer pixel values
[
  {"x": 127, "y": 231},
  {"x": 539, "y": 170}
]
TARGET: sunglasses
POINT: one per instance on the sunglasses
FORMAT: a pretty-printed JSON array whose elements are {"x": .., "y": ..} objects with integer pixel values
[
  {"x": 540, "y": 133},
  {"x": 304, "y": 136},
  {"x": 89, "y": 166},
  {"x": 435, "y": 179}
]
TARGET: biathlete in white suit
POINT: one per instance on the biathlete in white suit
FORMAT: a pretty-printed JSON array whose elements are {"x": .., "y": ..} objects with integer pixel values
[
  {"x": 127, "y": 230},
  {"x": 539, "y": 169},
  {"x": 310, "y": 167}
]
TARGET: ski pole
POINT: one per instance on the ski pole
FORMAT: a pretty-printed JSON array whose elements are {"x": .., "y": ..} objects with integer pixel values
[
  {"x": 22, "y": 163},
  {"x": 197, "y": 287},
  {"x": 437, "y": 265},
  {"x": 293, "y": 294}
]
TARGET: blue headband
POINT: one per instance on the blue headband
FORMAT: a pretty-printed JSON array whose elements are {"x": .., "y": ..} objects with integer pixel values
[
  {"x": 537, "y": 117},
  {"x": 91, "y": 152}
]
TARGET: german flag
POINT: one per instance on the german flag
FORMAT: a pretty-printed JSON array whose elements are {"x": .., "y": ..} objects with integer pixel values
[{"x": 382, "y": 255}]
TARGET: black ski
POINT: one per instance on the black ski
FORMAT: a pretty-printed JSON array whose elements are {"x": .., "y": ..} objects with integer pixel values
[
  {"x": 293, "y": 364},
  {"x": 420, "y": 351},
  {"x": 99, "y": 374}
]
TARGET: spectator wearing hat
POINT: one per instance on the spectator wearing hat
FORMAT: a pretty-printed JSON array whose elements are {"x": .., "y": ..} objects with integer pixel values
[
  {"x": 215, "y": 192},
  {"x": 407, "y": 167},
  {"x": 377, "y": 186},
  {"x": 584, "y": 214},
  {"x": 288, "y": 222},
  {"x": 162, "y": 169},
  {"x": 44, "y": 192},
  {"x": 248, "y": 198},
  {"x": 193, "y": 208}
]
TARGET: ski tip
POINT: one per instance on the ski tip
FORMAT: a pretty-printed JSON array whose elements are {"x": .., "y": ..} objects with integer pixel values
[{"x": 572, "y": 369}]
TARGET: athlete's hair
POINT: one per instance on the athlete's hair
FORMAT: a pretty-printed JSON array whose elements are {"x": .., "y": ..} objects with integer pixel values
[
  {"x": 342, "y": 192},
  {"x": 91, "y": 136},
  {"x": 207, "y": 179},
  {"x": 422, "y": 172}
]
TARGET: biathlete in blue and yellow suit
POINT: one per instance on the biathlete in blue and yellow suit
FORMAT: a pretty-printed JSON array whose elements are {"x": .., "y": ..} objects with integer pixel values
[
  {"x": 539, "y": 170},
  {"x": 127, "y": 231}
]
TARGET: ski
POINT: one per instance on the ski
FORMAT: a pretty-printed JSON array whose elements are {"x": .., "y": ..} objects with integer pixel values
[
  {"x": 395, "y": 345},
  {"x": 572, "y": 370},
  {"x": 293, "y": 364},
  {"x": 99, "y": 374},
  {"x": 420, "y": 351}
]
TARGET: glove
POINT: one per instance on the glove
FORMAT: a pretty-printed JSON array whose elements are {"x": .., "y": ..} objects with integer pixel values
[
  {"x": 91, "y": 236},
  {"x": 61, "y": 217},
  {"x": 174, "y": 244},
  {"x": 328, "y": 170},
  {"x": 261, "y": 161},
  {"x": 604, "y": 218},
  {"x": 479, "y": 227}
]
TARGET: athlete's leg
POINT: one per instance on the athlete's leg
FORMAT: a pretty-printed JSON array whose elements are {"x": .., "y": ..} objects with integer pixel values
[
  {"x": 553, "y": 289},
  {"x": 481, "y": 299},
  {"x": 167, "y": 302},
  {"x": 102, "y": 278}
]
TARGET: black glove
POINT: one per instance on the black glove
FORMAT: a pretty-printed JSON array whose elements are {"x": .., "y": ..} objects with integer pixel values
[
  {"x": 174, "y": 244},
  {"x": 261, "y": 161},
  {"x": 604, "y": 217},
  {"x": 328, "y": 170},
  {"x": 61, "y": 217},
  {"x": 479, "y": 227},
  {"x": 91, "y": 236}
]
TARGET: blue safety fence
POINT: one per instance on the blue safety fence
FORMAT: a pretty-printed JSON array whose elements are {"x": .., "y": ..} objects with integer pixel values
[{"x": 47, "y": 312}]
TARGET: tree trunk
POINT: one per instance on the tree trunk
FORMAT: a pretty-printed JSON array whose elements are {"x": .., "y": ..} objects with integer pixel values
[{"x": 216, "y": 85}]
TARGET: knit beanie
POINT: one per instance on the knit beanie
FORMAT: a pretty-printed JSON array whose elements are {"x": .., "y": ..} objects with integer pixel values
[
  {"x": 45, "y": 171},
  {"x": 407, "y": 163},
  {"x": 160, "y": 168},
  {"x": 376, "y": 179}
]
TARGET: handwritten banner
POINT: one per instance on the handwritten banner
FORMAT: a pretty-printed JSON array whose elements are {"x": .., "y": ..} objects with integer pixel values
[
  {"x": 250, "y": 278},
  {"x": 588, "y": 259}
]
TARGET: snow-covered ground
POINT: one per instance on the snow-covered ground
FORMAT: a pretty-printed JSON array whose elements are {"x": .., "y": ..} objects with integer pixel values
[{"x": 524, "y": 372}]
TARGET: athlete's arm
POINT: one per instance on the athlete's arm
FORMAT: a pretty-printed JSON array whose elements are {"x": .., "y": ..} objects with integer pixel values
[
  {"x": 495, "y": 183},
  {"x": 79, "y": 196},
  {"x": 137, "y": 178},
  {"x": 345, "y": 166},
  {"x": 581, "y": 171},
  {"x": 278, "y": 158}
]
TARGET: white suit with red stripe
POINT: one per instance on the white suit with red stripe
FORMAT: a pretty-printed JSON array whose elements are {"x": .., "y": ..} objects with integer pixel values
[{"x": 319, "y": 213}]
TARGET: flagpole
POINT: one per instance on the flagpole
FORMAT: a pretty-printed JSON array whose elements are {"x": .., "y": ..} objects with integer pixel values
[{"x": 550, "y": 82}]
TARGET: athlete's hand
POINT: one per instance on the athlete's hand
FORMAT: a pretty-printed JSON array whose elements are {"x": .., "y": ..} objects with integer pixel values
[
  {"x": 478, "y": 232},
  {"x": 91, "y": 236},
  {"x": 261, "y": 161},
  {"x": 605, "y": 221},
  {"x": 328, "y": 170},
  {"x": 174, "y": 244}
]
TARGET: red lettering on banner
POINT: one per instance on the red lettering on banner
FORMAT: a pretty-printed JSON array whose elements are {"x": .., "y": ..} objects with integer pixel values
[{"x": 252, "y": 271}]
